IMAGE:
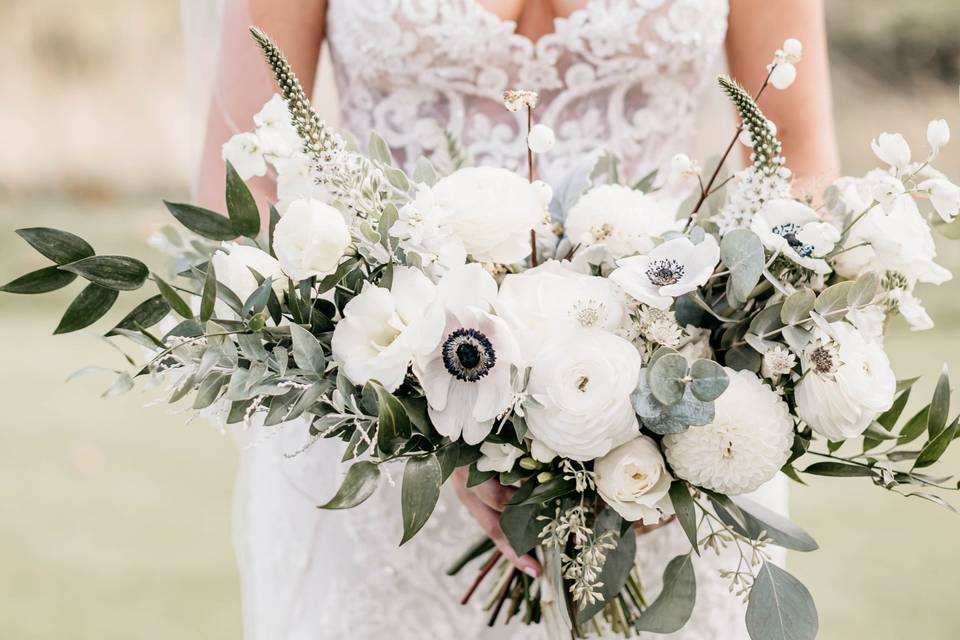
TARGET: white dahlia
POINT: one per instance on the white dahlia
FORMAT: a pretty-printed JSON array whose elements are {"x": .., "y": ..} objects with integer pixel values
[{"x": 745, "y": 445}]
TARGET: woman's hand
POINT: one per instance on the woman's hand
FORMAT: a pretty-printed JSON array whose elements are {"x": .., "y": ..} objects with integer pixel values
[{"x": 641, "y": 528}]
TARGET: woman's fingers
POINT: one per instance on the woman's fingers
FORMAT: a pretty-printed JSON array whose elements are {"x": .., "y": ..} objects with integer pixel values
[
  {"x": 491, "y": 493},
  {"x": 489, "y": 521}
]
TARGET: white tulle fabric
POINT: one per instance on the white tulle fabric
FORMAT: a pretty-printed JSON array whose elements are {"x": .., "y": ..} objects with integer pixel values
[{"x": 621, "y": 74}]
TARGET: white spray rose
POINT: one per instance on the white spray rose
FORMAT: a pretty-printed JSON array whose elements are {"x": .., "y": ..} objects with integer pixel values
[
  {"x": 579, "y": 394},
  {"x": 310, "y": 239},
  {"x": 633, "y": 479},
  {"x": 497, "y": 457},
  {"x": 491, "y": 211},
  {"x": 848, "y": 382},
  {"x": 670, "y": 270},
  {"x": 233, "y": 265}
]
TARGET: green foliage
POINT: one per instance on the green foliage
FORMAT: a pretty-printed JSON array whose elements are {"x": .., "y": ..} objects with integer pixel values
[
  {"x": 419, "y": 493},
  {"x": 766, "y": 148},
  {"x": 88, "y": 307},
  {"x": 742, "y": 253},
  {"x": 202, "y": 222},
  {"x": 59, "y": 246},
  {"x": 780, "y": 607},
  {"x": 241, "y": 207},
  {"x": 112, "y": 272},
  {"x": 358, "y": 485},
  {"x": 672, "y": 608},
  {"x": 40, "y": 281}
]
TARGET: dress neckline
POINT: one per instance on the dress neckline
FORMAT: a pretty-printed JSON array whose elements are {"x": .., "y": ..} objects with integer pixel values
[{"x": 513, "y": 27}]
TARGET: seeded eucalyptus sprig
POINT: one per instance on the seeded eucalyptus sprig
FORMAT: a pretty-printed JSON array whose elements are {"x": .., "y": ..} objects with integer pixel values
[{"x": 766, "y": 147}]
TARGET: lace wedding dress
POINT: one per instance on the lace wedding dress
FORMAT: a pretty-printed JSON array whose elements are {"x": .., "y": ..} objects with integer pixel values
[{"x": 626, "y": 75}]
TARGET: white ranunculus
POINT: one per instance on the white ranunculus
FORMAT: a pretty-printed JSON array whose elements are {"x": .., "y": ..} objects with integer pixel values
[
  {"x": 498, "y": 457},
  {"x": 553, "y": 296},
  {"x": 634, "y": 480},
  {"x": 783, "y": 75},
  {"x": 245, "y": 152},
  {"x": 491, "y": 211},
  {"x": 938, "y": 134},
  {"x": 541, "y": 138},
  {"x": 670, "y": 270},
  {"x": 232, "y": 266},
  {"x": 745, "y": 446},
  {"x": 795, "y": 230},
  {"x": 310, "y": 239},
  {"x": 618, "y": 219},
  {"x": 893, "y": 149},
  {"x": 467, "y": 378},
  {"x": 382, "y": 330},
  {"x": 848, "y": 382},
  {"x": 945, "y": 197},
  {"x": 579, "y": 393},
  {"x": 275, "y": 128}
]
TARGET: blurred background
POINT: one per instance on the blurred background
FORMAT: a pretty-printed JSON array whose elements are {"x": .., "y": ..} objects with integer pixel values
[{"x": 116, "y": 519}]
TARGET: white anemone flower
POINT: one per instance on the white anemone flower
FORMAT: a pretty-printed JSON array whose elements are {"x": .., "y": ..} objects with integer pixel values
[
  {"x": 670, "y": 270},
  {"x": 793, "y": 229},
  {"x": 847, "y": 382},
  {"x": 893, "y": 149},
  {"x": 382, "y": 330},
  {"x": 467, "y": 377}
]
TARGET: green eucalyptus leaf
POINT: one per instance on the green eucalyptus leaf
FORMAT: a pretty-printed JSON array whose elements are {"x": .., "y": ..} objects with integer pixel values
[
  {"x": 666, "y": 378},
  {"x": 178, "y": 304},
  {"x": 832, "y": 301},
  {"x": 780, "y": 530},
  {"x": 202, "y": 222},
  {"x": 864, "y": 289},
  {"x": 709, "y": 380},
  {"x": 358, "y": 485},
  {"x": 241, "y": 206},
  {"x": 88, "y": 307},
  {"x": 939, "y": 406},
  {"x": 419, "y": 493},
  {"x": 780, "y": 607},
  {"x": 743, "y": 358},
  {"x": 686, "y": 511},
  {"x": 60, "y": 246},
  {"x": 672, "y": 608},
  {"x": 144, "y": 315},
  {"x": 307, "y": 352},
  {"x": 111, "y": 272},
  {"x": 40, "y": 281},
  {"x": 797, "y": 306},
  {"x": 742, "y": 252}
]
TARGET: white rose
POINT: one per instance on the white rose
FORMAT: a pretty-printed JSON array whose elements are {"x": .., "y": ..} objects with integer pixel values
[
  {"x": 633, "y": 479},
  {"x": 847, "y": 382},
  {"x": 491, "y": 211},
  {"x": 233, "y": 269},
  {"x": 938, "y": 134},
  {"x": 310, "y": 239},
  {"x": 893, "y": 149},
  {"x": 670, "y": 270},
  {"x": 619, "y": 219},
  {"x": 579, "y": 391},
  {"x": 245, "y": 152},
  {"x": 497, "y": 457},
  {"x": 383, "y": 330}
]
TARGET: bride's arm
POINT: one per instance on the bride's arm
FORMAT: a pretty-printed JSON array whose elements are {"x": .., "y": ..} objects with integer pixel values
[
  {"x": 243, "y": 82},
  {"x": 803, "y": 112}
]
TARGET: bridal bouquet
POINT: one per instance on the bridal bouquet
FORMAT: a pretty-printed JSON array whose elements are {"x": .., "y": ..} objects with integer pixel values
[{"x": 620, "y": 354}]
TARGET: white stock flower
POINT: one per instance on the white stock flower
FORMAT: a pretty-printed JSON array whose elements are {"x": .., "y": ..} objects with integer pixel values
[
  {"x": 912, "y": 310},
  {"x": 423, "y": 228},
  {"x": 579, "y": 394},
  {"x": 497, "y": 457},
  {"x": 467, "y": 378},
  {"x": 945, "y": 197},
  {"x": 245, "y": 152},
  {"x": 784, "y": 74},
  {"x": 848, "y": 382},
  {"x": 634, "y": 480},
  {"x": 541, "y": 138},
  {"x": 296, "y": 180},
  {"x": 746, "y": 444},
  {"x": 893, "y": 149},
  {"x": 938, "y": 134},
  {"x": 382, "y": 330},
  {"x": 492, "y": 211},
  {"x": 275, "y": 128},
  {"x": 670, "y": 270},
  {"x": 795, "y": 230},
  {"x": 310, "y": 239},
  {"x": 233, "y": 269},
  {"x": 618, "y": 219}
]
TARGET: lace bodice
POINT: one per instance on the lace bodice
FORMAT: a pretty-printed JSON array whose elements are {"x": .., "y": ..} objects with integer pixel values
[{"x": 620, "y": 74}]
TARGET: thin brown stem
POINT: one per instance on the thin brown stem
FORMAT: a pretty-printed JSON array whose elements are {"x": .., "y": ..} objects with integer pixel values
[
  {"x": 530, "y": 177},
  {"x": 484, "y": 570}
]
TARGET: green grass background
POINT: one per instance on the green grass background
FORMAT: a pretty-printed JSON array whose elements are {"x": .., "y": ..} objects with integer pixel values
[{"x": 115, "y": 518}]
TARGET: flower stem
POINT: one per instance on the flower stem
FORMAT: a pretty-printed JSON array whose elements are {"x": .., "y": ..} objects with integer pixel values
[{"x": 530, "y": 177}]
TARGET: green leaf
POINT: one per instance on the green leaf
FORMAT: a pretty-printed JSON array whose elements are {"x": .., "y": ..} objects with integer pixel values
[
  {"x": 780, "y": 607},
  {"x": 358, "y": 485},
  {"x": 907, "y": 383},
  {"x": 556, "y": 487},
  {"x": 241, "y": 206},
  {"x": 797, "y": 306},
  {"x": 397, "y": 178},
  {"x": 178, "y": 304},
  {"x": 888, "y": 419},
  {"x": 419, "y": 493},
  {"x": 40, "y": 281},
  {"x": 394, "y": 425},
  {"x": 88, "y": 307},
  {"x": 519, "y": 522},
  {"x": 666, "y": 378},
  {"x": 864, "y": 289},
  {"x": 271, "y": 229},
  {"x": 685, "y": 510},
  {"x": 476, "y": 477},
  {"x": 672, "y": 608},
  {"x": 307, "y": 352},
  {"x": 743, "y": 358},
  {"x": 782, "y": 531},
  {"x": 838, "y": 470},
  {"x": 936, "y": 447},
  {"x": 479, "y": 548},
  {"x": 742, "y": 252},
  {"x": 144, "y": 315},
  {"x": 112, "y": 272},
  {"x": 617, "y": 564},
  {"x": 378, "y": 150},
  {"x": 208, "y": 297},
  {"x": 915, "y": 426},
  {"x": 709, "y": 380},
  {"x": 257, "y": 301},
  {"x": 424, "y": 172},
  {"x": 60, "y": 246},
  {"x": 833, "y": 299},
  {"x": 202, "y": 222},
  {"x": 939, "y": 406}
]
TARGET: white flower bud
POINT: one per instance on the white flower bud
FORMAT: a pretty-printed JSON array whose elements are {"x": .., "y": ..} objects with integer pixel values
[
  {"x": 892, "y": 148},
  {"x": 783, "y": 75},
  {"x": 938, "y": 134},
  {"x": 541, "y": 138},
  {"x": 792, "y": 50},
  {"x": 745, "y": 138},
  {"x": 544, "y": 190}
]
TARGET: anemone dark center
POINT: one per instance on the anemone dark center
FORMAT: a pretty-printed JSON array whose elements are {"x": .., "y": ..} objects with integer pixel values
[
  {"x": 789, "y": 232},
  {"x": 468, "y": 355},
  {"x": 665, "y": 271}
]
